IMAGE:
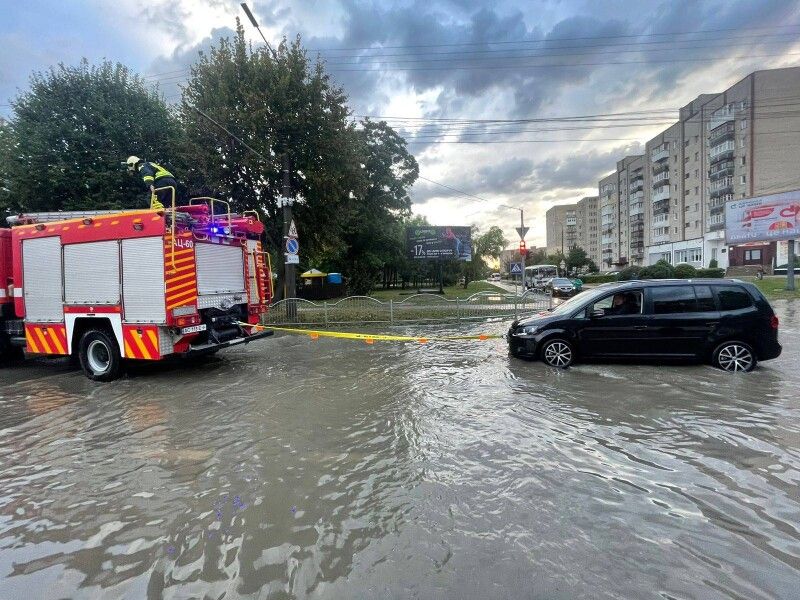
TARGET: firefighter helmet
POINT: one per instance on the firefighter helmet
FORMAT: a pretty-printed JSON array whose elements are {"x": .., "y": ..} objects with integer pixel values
[{"x": 132, "y": 162}]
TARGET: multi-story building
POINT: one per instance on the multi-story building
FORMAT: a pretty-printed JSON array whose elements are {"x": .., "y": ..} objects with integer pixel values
[
  {"x": 562, "y": 228},
  {"x": 588, "y": 227},
  {"x": 609, "y": 213},
  {"x": 735, "y": 144}
]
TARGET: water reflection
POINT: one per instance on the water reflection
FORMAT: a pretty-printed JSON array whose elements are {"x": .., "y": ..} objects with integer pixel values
[{"x": 333, "y": 469}]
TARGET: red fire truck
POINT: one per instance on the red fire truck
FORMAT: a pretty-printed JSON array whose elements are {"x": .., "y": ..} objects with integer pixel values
[{"x": 110, "y": 286}]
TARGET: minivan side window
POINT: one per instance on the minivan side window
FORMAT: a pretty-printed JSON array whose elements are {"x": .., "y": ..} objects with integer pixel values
[
  {"x": 705, "y": 299},
  {"x": 733, "y": 297},
  {"x": 673, "y": 299}
]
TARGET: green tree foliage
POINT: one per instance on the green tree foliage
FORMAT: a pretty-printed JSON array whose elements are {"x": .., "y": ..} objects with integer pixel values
[
  {"x": 630, "y": 273},
  {"x": 685, "y": 271},
  {"x": 661, "y": 270},
  {"x": 350, "y": 183},
  {"x": 78, "y": 124},
  {"x": 7, "y": 149},
  {"x": 485, "y": 245},
  {"x": 578, "y": 260}
]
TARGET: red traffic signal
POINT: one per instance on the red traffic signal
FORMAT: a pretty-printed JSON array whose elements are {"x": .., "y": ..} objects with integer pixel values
[{"x": 522, "y": 250}]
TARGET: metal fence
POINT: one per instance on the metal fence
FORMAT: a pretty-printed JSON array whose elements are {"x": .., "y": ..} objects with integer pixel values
[{"x": 419, "y": 308}]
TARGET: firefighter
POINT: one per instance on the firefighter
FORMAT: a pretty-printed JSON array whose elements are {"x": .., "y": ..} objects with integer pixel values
[{"x": 156, "y": 178}]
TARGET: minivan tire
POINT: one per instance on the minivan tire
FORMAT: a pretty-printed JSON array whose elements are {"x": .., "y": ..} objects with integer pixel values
[
  {"x": 99, "y": 356},
  {"x": 734, "y": 356},
  {"x": 557, "y": 352}
]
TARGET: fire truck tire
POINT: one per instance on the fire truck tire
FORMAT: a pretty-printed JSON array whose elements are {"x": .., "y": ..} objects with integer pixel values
[
  {"x": 9, "y": 354},
  {"x": 99, "y": 356}
]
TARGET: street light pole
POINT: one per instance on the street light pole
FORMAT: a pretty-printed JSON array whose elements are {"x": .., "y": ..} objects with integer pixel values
[{"x": 290, "y": 285}]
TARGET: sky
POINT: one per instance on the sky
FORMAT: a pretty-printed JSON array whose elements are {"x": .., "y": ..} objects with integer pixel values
[{"x": 505, "y": 104}]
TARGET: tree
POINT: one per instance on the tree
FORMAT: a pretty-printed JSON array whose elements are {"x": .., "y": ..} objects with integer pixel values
[
  {"x": 7, "y": 149},
  {"x": 78, "y": 124},
  {"x": 289, "y": 111},
  {"x": 484, "y": 245},
  {"x": 378, "y": 207}
]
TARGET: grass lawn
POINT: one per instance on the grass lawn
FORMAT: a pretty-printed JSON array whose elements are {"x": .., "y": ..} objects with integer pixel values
[
  {"x": 774, "y": 287},
  {"x": 450, "y": 292}
]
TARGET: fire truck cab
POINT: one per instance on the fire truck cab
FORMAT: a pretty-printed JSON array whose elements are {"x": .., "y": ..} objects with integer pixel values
[{"x": 110, "y": 286}]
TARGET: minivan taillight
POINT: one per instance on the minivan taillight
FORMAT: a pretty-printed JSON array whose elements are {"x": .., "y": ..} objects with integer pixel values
[{"x": 774, "y": 322}]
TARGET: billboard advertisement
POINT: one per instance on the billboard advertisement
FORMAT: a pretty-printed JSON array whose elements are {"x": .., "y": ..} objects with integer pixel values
[
  {"x": 439, "y": 242},
  {"x": 763, "y": 219}
]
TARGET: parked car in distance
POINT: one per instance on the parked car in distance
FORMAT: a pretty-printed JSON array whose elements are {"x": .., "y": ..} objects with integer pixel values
[
  {"x": 495, "y": 277},
  {"x": 725, "y": 322},
  {"x": 561, "y": 287}
]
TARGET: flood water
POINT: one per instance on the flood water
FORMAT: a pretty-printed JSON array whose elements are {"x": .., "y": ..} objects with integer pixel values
[{"x": 295, "y": 468}]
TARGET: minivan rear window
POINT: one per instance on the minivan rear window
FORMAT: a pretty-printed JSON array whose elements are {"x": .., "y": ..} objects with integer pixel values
[{"x": 733, "y": 297}]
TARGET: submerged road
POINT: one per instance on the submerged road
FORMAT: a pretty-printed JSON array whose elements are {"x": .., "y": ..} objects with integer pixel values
[{"x": 295, "y": 468}]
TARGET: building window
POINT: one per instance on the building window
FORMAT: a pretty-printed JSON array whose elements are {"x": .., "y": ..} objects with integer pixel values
[
  {"x": 686, "y": 144},
  {"x": 676, "y": 187},
  {"x": 741, "y": 143},
  {"x": 743, "y": 124},
  {"x": 743, "y": 161},
  {"x": 697, "y": 207},
  {"x": 697, "y": 156},
  {"x": 697, "y": 223},
  {"x": 697, "y": 190},
  {"x": 676, "y": 229},
  {"x": 687, "y": 225},
  {"x": 697, "y": 172},
  {"x": 743, "y": 179},
  {"x": 696, "y": 138},
  {"x": 752, "y": 254}
]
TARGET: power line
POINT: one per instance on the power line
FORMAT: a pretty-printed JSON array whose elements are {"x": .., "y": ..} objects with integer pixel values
[
  {"x": 539, "y": 40},
  {"x": 466, "y": 194}
]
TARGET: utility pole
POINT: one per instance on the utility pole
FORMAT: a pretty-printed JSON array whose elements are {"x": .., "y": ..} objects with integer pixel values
[
  {"x": 522, "y": 231},
  {"x": 290, "y": 284},
  {"x": 790, "y": 266}
]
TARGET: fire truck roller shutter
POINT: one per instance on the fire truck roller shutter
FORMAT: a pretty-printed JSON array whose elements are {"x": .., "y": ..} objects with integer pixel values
[
  {"x": 143, "y": 280},
  {"x": 220, "y": 274},
  {"x": 252, "y": 247},
  {"x": 42, "y": 280},
  {"x": 91, "y": 273}
]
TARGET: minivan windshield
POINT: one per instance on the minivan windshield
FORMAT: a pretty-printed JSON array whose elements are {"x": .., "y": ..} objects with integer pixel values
[{"x": 577, "y": 301}]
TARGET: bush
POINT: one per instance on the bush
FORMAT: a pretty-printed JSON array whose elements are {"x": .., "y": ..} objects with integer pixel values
[
  {"x": 629, "y": 273},
  {"x": 685, "y": 271},
  {"x": 710, "y": 273},
  {"x": 661, "y": 270},
  {"x": 598, "y": 278},
  {"x": 713, "y": 264}
]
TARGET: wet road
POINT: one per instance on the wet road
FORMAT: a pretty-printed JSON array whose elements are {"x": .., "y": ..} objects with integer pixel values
[{"x": 333, "y": 469}]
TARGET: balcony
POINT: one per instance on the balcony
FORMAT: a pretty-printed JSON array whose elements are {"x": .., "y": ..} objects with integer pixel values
[
  {"x": 661, "y": 193},
  {"x": 716, "y": 226},
  {"x": 659, "y": 177},
  {"x": 723, "y": 115},
  {"x": 722, "y": 187},
  {"x": 607, "y": 250},
  {"x": 607, "y": 230},
  {"x": 659, "y": 239},
  {"x": 727, "y": 131},
  {"x": 659, "y": 154},
  {"x": 722, "y": 151},
  {"x": 636, "y": 209},
  {"x": 721, "y": 169},
  {"x": 637, "y": 184},
  {"x": 637, "y": 236},
  {"x": 661, "y": 207}
]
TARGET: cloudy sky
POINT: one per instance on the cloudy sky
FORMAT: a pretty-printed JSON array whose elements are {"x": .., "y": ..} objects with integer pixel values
[{"x": 504, "y": 103}]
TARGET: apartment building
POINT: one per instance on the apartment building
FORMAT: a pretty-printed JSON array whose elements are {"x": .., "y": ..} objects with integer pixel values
[
  {"x": 588, "y": 227},
  {"x": 562, "y": 228},
  {"x": 735, "y": 144}
]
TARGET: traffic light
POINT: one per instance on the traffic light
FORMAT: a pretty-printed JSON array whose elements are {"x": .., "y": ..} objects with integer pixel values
[{"x": 522, "y": 250}]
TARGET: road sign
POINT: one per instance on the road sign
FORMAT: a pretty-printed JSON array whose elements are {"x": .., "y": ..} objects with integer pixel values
[
  {"x": 522, "y": 231},
  {"x": 292, "y": 259},
  {"x": 292, "y": 245},
  {"x": 292, "y": 230},
  {"x": 516, "y": 269}
]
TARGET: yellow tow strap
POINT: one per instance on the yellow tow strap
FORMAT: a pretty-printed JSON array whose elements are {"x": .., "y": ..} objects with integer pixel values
[{"x": 369, "y": 338}]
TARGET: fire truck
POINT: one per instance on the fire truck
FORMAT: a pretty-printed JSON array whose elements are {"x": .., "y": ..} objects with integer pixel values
[{"x": 106, "y": 287}]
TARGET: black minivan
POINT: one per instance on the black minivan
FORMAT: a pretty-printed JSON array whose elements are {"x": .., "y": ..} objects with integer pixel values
[{"x": 726, "y": 322}]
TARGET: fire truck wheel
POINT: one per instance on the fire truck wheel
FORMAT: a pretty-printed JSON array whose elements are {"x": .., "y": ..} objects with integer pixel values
[{"x": 99, "y": 356}]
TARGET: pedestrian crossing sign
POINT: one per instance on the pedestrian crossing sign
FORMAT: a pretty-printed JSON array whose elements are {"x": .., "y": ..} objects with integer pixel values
[{"x": 516, "y": 268}]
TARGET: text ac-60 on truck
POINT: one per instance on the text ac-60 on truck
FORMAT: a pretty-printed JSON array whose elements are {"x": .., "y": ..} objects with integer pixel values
[{"x": 108, "y": 286}]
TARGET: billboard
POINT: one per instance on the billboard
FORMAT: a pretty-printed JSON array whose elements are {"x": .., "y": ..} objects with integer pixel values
[
  {"x": 439, "y": 242},
  {"x": 763, "y": 219}
]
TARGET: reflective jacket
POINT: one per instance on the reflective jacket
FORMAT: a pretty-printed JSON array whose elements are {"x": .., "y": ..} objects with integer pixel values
[{"x": 152, "y": 172}]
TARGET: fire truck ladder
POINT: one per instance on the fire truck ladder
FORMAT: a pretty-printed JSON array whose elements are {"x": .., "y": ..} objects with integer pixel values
[{"x": 49, "y": 217}]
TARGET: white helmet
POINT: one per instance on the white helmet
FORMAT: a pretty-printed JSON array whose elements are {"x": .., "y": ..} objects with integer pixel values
[{"x": 132, "y": 162}]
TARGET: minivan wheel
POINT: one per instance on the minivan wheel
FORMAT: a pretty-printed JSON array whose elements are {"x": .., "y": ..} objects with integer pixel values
[
  {"x": 557, "y": 353},
  {"x": 99, "y": 356},
  {"x": 735, "y": 356}
]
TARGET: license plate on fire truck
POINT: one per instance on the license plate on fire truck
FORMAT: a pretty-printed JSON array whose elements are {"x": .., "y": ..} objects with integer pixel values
[{"x": 193, "y": 329}]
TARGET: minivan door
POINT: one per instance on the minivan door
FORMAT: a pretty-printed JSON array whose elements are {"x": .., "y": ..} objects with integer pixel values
[
  {"x": 682, "y": 319},
  {"x": 620, "y": 331}
]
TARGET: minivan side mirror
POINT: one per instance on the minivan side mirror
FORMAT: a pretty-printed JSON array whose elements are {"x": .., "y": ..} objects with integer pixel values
[{"x": 597, "y": 313}]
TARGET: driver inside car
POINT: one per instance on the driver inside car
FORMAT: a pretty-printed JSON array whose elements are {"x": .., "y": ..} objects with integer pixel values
[{"x": 624, "y": 304}]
